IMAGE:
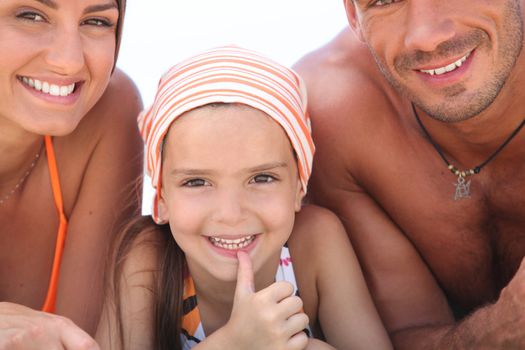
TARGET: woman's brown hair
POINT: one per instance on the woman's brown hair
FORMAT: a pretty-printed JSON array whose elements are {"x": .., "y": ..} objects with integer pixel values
[{"x": 118, "y": 35}]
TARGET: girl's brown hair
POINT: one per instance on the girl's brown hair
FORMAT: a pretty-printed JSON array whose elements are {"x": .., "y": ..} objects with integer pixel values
[{"x": 168, "y": 275}]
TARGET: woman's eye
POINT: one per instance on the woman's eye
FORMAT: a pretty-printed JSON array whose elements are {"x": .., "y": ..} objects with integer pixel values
[
  {"x": 383, "y": 2},
  {"x": 31, "y": 16},
  {"x": 195, "y": 183},
  {"x": 263, "y": 178},
  {"x": 98, "y": 22}
]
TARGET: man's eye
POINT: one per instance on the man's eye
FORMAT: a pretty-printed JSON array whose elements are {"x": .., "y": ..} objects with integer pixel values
[
  {"x": 263, "y": 178},
  {"x": 31, "y": 16},
  {"x": 195, "y": 183}
]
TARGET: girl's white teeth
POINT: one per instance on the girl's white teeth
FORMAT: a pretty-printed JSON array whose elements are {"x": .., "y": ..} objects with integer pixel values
[
  {"x": 47, "y": 88},
  {"x": 232, "y": 244},
  {"x": 446, "y": 69}
]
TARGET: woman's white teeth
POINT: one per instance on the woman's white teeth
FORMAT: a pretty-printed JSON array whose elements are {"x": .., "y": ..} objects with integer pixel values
[
  {"x": 233, "y": 244},
  {"x": 47, "y": 88},
  {"x": 446, "y": 69}
]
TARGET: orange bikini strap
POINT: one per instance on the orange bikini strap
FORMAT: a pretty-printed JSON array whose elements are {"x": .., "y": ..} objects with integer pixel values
[{"x": 49, "y": 304}]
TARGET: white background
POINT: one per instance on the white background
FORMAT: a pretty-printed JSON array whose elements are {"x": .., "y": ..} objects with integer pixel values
[{"x": 159, "y": 33}]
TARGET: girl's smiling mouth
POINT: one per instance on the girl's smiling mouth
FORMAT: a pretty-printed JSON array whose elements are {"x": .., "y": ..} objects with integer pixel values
[{"x": 232, "y": 244}]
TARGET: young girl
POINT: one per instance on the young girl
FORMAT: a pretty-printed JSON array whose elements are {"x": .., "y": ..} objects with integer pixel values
[{"x": 229, "y": 151}]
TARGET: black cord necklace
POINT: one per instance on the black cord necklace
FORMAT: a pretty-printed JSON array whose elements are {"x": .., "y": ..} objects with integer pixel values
[{"x": 463, "y": 186}]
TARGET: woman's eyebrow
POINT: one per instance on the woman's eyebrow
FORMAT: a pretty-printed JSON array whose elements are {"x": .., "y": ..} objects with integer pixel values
[
  {"x": 101, "y": 7},
  {"x": 94, "y": 8}
]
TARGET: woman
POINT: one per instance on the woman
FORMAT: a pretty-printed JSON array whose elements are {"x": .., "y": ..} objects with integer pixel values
[{"x": 57, "y": 79}]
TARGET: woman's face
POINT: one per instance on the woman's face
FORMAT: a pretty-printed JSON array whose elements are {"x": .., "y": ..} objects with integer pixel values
[{"x": 57, "y": 57}]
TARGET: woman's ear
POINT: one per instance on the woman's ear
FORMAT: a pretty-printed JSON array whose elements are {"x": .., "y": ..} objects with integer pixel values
[{"x": 353, "y": 20}]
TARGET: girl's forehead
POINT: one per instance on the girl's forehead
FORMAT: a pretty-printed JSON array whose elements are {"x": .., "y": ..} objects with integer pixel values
[
  {"x": 226, "y": 118},
  {"x": 243, "y": 131}
]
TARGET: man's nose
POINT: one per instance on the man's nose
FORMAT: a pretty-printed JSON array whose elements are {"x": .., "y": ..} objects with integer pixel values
[{"x": 429, "y": 24}]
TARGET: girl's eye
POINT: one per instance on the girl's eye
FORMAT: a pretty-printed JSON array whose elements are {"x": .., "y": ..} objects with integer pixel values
[
  {"x": 31, "y": 16},
  {"x": 98, "y": 22},
  {"x": 263, "y": 178},
  {"x": 195, "y": 183}
]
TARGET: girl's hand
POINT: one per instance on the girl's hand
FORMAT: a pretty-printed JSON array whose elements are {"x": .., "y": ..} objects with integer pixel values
[{"x": 269, "y": 319}]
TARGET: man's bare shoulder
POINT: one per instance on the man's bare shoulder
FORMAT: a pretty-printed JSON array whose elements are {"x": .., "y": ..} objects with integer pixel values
[{"x": 342, "y": 79}]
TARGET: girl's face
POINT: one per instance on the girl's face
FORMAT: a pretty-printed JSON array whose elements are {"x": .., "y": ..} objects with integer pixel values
[
  {"x": 57, "y": 57},
  {"x": 229, "y": 182}
]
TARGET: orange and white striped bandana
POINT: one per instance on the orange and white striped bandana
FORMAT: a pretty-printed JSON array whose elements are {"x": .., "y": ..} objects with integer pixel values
[{"x": 228, "y": 74}]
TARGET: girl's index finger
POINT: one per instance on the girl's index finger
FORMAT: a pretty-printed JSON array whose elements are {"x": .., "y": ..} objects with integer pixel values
[{"x": 245, "y": 283}]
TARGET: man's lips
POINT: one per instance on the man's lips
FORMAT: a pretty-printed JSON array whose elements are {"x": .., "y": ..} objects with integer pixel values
[{"x": 439, "y": 70}]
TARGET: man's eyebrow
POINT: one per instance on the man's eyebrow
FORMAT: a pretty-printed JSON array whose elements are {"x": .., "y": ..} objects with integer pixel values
[{"x": 49, "y": 3}]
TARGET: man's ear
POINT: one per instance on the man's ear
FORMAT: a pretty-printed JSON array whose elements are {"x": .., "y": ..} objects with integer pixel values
[{"x": 353, "y": 20}]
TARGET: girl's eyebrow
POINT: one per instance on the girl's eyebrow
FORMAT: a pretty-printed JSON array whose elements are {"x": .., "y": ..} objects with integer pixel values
[
  {"x": 262, "y": 167},
  {"x": 190, "y": 171},
  {"x": 268, "y": 166}
]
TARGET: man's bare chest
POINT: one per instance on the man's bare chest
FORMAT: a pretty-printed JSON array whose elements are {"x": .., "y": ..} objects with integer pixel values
[{"x": 474, "y": 245}]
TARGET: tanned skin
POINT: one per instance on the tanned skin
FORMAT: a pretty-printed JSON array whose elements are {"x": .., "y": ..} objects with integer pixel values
[
  {"x": 59, "y": 79},
  {"x": 444, "y": 273}
]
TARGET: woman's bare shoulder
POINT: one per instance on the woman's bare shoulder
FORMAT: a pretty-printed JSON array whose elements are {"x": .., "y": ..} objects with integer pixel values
[{"x": 115, "y": 113}]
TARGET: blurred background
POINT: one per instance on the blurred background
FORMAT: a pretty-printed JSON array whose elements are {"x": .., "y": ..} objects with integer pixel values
[{"x": 159, "y": 33}]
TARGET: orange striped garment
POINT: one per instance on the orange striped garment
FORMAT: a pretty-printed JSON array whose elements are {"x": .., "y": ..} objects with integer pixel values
[{"x": 228, "y": 74}]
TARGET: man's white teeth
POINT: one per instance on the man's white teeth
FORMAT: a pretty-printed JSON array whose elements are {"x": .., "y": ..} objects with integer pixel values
[
  {"x": 232, "y": 244},
  {"x": 446, "y": 69},
  {"x": 47, "y": 88}
]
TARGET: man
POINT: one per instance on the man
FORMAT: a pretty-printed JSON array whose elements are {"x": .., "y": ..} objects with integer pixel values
[{"x": 432, "y": 196}]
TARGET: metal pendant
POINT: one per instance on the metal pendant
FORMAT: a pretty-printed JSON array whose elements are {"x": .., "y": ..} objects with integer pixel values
[{"x": 462, "y": 188}]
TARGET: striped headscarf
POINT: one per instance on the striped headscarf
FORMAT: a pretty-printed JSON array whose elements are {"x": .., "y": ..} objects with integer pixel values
[{"x": 228, "y": 74}]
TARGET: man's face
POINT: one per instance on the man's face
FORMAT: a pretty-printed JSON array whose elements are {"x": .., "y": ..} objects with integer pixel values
[{"x": 451, "y": 57}]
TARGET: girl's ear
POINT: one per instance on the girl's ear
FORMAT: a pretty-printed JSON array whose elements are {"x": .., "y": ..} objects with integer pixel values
[
  {"x": 352, "y": 15},
  {"x": 163, "y": 209},
  {"x": 299, "y": 195}
]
